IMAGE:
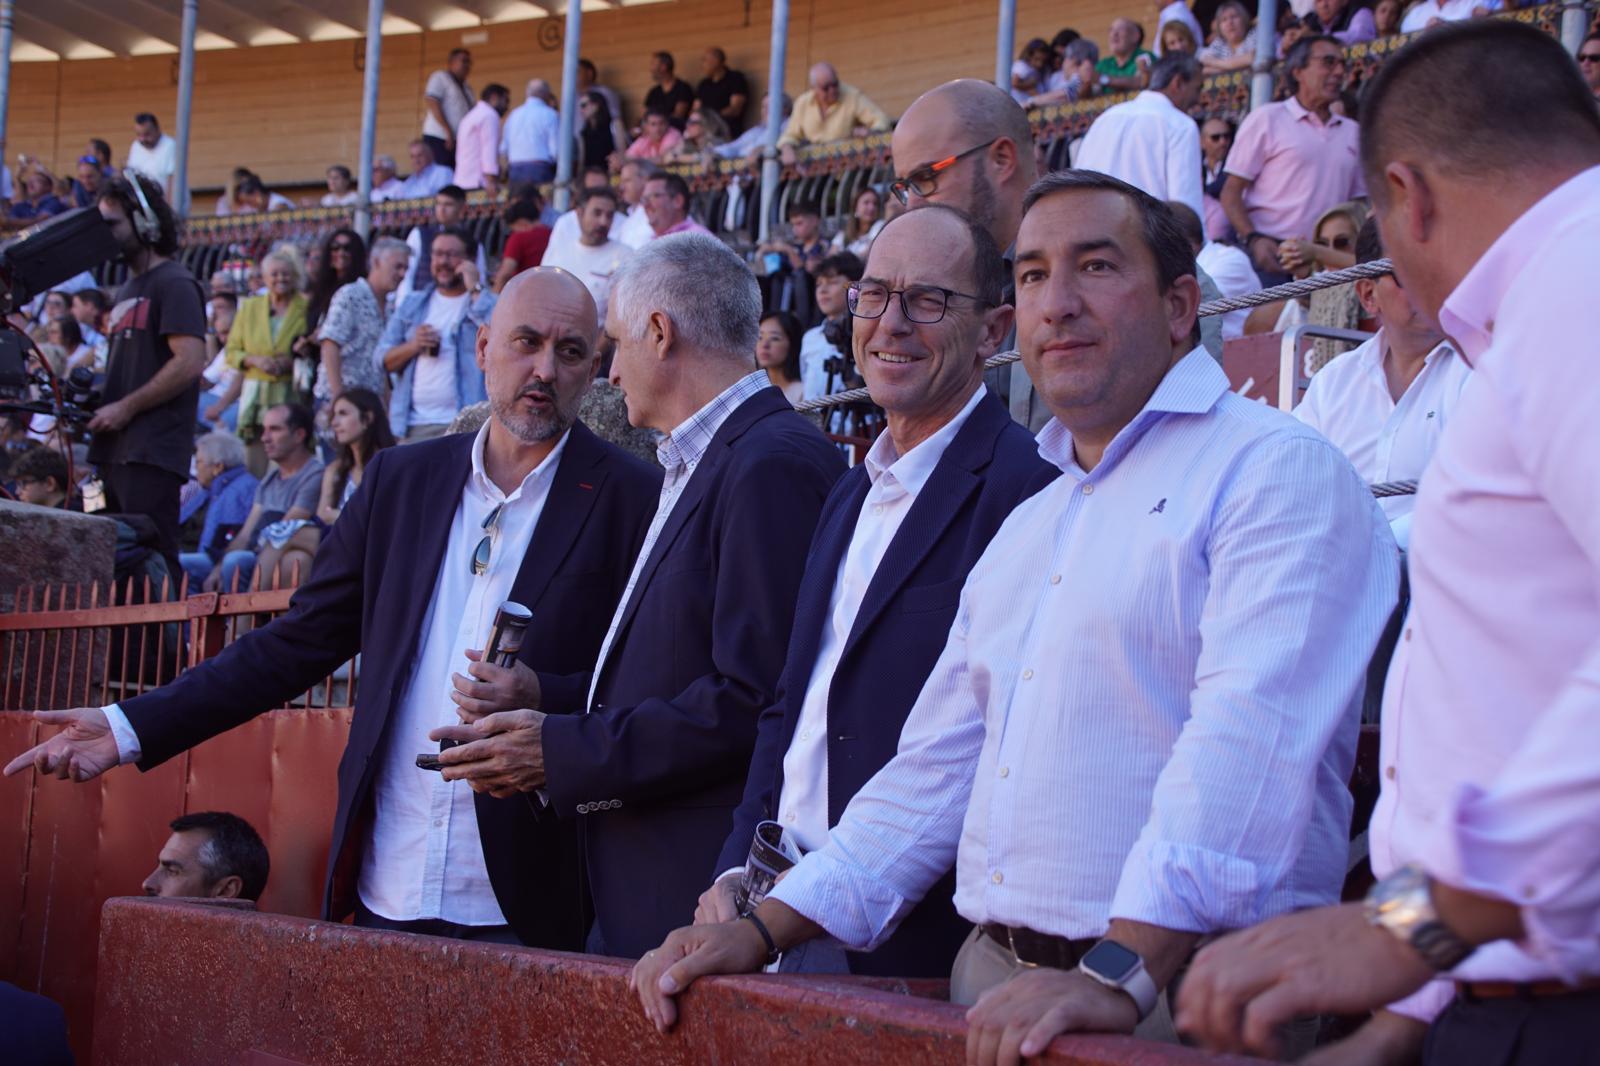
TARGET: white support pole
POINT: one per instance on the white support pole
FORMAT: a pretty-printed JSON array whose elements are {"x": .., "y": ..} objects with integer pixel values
[
  {"x": 369, "y": 118},
  {"x": 569, "y": 103},
  {"x": 5, "y": 70},
  {"x": 1266, "y": 45},
  {"x": 1574, "y": 25},
  {"x": 1005, "y": 44},
  {"x": 180, "y": 173},
  {"x": 770, "y": 168}
]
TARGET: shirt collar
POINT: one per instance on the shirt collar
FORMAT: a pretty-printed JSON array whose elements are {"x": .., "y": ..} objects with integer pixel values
[
  {"x": 480, "y": 479},
  {"x": 689, "y": 439},
  {"x": 1299, "y": 111},
  {"x": 1192, "y": 386},
  {"x": 913, "y": 469},
  {"x": 1469, "y": 312}
]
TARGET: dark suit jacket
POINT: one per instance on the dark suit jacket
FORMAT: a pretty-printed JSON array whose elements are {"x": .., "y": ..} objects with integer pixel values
[
  {"x": 658, "y": 764},
  {"x": 33, "y": 1029},
  {"x": 991, "y": 466},
  {"x": 369, "y": 591}
]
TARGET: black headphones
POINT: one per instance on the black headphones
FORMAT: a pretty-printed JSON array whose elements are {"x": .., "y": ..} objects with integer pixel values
[{"x": 145, "y": 222}]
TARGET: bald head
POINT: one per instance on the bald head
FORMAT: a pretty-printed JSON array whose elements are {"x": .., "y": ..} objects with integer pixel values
[
  {"x": 989, "y": 184},
  {"x": 539, "y": 89},
  {"x": 821, "y": 74},
  {"x": 538, "y": 353}
]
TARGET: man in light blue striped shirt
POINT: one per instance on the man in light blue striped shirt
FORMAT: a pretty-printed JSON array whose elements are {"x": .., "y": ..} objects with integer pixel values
[{"x": 1142, "y": 723}]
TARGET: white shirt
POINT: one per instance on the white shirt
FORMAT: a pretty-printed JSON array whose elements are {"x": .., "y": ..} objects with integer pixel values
[
  {"x": 1491, "y": 779},
  {"x": 435, "y": 399},
  {"x": 896, "y": 481},
  {"x": 592, "y": 265},
  {"x": 426, "y": 182},
  {"x": 158, "y": 163},
  {"x": 1151, "y": 145},
  {"x": 389, "y": 190},
  {"x": 455, "y": 100},
  {"x": 1349, "y": 403},
  {"x": 1230, "y": 268},
  {"x": 1145, "y": 708},
  {"x": 814, "y": 379},
  {"x": 341, "y": 199},
  {"x": 532, "y": 133},
  {"x": 423, "y": 857},
  {"x": 1443, "y": 10},
  {"x": 565, "y": 231},
  {"x": 679, "y": 453},
  {"x": 636, "y": 231}
]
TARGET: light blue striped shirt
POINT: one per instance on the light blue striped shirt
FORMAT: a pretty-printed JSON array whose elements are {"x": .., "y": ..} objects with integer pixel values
[{"x": 1146, "y": 708}]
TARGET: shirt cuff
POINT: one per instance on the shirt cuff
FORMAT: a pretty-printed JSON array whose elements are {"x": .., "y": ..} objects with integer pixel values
[
  {"x": 1183, "y": 887},
  {"x": 128, "y": 749},
  {"x": 856, "y": 911},
  {"x": 727, "y": 873},
  {"x": 1427, "y": 1002}
]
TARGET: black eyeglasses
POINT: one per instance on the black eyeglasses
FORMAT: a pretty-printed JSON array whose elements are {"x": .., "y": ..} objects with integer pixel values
[
  {"x": 1219, "y": 136},
  {"x": 480, "y": 554},
  {"x": 1341, "y": 243},
  {"x": 1589, "y": 57},
  {"x": 924, "y": 181},
  {"x": 922, "y": 304}
]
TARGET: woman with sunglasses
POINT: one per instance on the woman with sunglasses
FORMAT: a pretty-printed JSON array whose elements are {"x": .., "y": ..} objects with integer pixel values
[
  {"x": 597, "y": 146},
  {"x": 343, "y": 260},
  {"x": 1331, "y": 247}
]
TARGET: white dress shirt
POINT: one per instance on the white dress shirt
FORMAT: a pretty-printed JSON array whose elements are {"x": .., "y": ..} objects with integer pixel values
[
  {"x": 158, "y": 163},
  {"x": 635, "y": 231},
  {"x": 896, "y": 482},
  {"x": 1349, "y": 403},
  {"x": 1491, "y": 779},
  {"x": 426, "y": 182},
  {"x": 531, "y": 133},
  {"x": 594, "y": 265},
  {"x": 1145, "y": 708},
  {"x": 423, "y": 858},
  {"x": 1151, "y": 145},
  {"x": 680, "y": 453},
  {"x": 389, "y": 190},
  {"x": 1234, "y": 275},
  {"x": 1443, "y": 10}
]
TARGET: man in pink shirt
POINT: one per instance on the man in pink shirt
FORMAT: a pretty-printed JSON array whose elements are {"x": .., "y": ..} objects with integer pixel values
[
  {"x": 666, "y": 205},
  {"x": 1483, "y": 932},
  {"x": 1293, "y": 160},
  {"x": 657, "y": 139},
  {"x": 478, "y": 141}
]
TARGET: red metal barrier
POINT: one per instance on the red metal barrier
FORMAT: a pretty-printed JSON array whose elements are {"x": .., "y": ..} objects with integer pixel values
[{"x": 191, "y": 985}]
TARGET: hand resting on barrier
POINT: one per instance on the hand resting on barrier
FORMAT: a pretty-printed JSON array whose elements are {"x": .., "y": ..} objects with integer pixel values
[{"x": 82, "y": 751}]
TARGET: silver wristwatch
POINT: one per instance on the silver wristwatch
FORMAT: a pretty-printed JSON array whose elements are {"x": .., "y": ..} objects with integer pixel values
[
  {"x": 1115, "y": 966},
  {"x": 1402, "y": 903}
]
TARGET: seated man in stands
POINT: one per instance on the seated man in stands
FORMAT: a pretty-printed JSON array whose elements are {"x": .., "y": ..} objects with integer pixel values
[
  {"x": 285, "y": 500},
  {"x": 666, "y": 205},
  {"x": 429, "y": 343},
  {"x": 229, "y": 497},
  {"x": 40, "y": 475},
  {"x": 1386, "y": 403},
  {"x": 385, "y": 185},
  {"x": 428, "y": 175},
  {"x": 210, "y": 855},
  {"x": 1137, "y": 733},
  {"x": 254, "y": 196},
  {"x": 829, "y": 111},
  {"x": 657, "y": 138}
]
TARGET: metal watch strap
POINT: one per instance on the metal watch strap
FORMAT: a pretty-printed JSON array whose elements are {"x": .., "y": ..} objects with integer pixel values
[{"x": 1439, "y": 947}]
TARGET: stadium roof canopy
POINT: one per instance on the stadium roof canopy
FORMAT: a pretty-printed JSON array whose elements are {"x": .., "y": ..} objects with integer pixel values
[{"x": 100, "y": 29}]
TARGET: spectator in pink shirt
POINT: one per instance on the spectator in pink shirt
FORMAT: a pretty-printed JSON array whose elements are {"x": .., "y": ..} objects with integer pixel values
[
  {"x": 1293, "y": 160},
  {"x": 657, "y": 139},
  {"x": 478, "y": 141},
  {"x": 666, "y": 205}
]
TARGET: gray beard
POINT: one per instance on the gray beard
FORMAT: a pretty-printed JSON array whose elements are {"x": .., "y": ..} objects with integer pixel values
[{"x": 530, "y": 429}]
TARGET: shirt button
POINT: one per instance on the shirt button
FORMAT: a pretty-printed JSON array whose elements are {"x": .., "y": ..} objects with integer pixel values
[
  {"x": 1055, "y": 579},
  {"x": 1388, "y": 772},
  {"x": 1408, "y": 632},
  {"x": 1088, "y": 489},
  {"x": 789, "y": 817},
  {"x": 805, "y": 734},
  {"x": 1005, "y": 771},
  {"x": 1027, "y": 675},
  {"x": 438, "y": 822},
  {"x": 996, "y": 877}
]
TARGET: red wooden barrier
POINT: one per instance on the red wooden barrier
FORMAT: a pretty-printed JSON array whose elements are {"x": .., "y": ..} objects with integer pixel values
[{"x": 191, "y": 985}]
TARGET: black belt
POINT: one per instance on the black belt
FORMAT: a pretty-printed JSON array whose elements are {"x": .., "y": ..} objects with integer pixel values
[{"x": 1038, "y": 949}]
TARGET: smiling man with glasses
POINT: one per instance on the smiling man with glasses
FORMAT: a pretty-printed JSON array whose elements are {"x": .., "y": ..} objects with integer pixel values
[
  {"x": 829, "y": 111},
  {"x": 405, "y": 579}
]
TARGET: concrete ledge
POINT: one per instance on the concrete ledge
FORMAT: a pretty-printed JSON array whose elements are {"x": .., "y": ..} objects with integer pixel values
[{"x": 185, "y": 983}]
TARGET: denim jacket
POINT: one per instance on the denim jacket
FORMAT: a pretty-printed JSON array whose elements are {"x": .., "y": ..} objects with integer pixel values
[{"x": 413, "y": 311}]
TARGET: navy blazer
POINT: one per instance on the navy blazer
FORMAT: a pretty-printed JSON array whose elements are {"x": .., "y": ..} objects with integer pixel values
[
  {"x": 657, "y": 765},
  {"x": 992, "y": 465},
  {"x": 369, "y": 591}
]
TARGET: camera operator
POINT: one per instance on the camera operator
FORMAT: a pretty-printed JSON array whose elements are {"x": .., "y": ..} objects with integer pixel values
[
  {"x": 826, "y": 365},
  {"x": 143, "y": 432}
]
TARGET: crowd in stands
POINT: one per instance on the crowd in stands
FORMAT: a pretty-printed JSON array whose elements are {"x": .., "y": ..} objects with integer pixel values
[{"x": 1150, "y": 598}]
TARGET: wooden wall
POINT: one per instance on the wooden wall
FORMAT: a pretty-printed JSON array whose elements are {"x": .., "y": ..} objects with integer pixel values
[{"x": 287, "y": 111}]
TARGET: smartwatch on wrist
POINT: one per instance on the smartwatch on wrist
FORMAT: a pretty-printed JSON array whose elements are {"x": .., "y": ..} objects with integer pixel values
[
  {"x": 1402, "y": 903},
  {"x": 1115, "y": 966}
]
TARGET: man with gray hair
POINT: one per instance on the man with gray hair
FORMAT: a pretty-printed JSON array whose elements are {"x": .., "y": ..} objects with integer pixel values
[
  {"x": 230, "y": 490},
  {"x": 385, "y": 184},
  {"x": 1150, "y": 142},
  {"x": 529, "y": 139},
  {"x": 650, "y": 749},
  {"x": 829, "y": 111},
  {"x": 355, "y": 321}
]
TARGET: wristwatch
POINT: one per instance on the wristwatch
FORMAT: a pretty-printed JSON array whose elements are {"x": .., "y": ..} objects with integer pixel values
[
  {"x": 1402, "y": 903},
  {"x": 1119, "y": 967}
]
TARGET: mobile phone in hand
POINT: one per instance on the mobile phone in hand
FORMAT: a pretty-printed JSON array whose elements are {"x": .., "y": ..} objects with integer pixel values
[{"x": 429, "y": 761}]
